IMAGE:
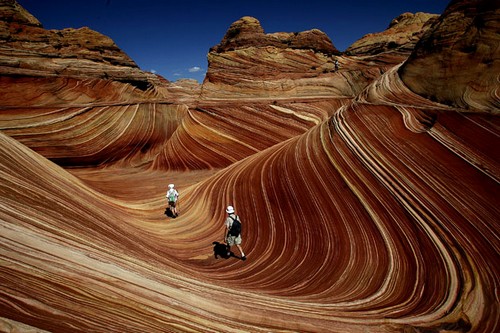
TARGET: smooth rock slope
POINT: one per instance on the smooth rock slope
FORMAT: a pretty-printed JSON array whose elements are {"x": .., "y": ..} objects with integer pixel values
[{"x": 369, "y": 195}]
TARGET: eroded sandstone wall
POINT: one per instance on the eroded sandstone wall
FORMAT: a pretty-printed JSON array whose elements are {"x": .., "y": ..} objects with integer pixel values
[
  {"x": 366, "y": 208},
  {"x": 457, "y": 61}
]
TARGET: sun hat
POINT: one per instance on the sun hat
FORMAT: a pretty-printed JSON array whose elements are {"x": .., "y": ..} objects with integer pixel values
[
  {"x": 229, "y": 209},
  {"x": 170, "y": 185}
]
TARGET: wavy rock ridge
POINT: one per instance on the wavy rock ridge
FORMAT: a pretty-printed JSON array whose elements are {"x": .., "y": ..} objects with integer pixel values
[
  {"x": 466, "y": 37},
  {"x": 366, "y": 208},
  {"x": 27, "y": 49}
]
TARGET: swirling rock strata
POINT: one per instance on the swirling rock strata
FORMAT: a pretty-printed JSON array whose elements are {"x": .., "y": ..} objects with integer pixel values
[
  {"x": 86, "y": 122},
  {"x": 399, "y": 247},
  {"x": 249, "y": 63},
  {"x": 217, "y": 135},
  {"x": 456, "y": 62},
  {"x": 369, "y": 213}
]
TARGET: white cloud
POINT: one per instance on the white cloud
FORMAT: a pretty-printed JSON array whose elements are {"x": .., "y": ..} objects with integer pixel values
[
  {"x": 153, "y": 71},
  {"x": 194, "y": 69}
]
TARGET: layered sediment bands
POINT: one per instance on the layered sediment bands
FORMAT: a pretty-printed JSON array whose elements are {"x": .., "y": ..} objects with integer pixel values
[
  {"x": 401, "y": 35},
  {"x": 215, "y": 135},
  {"x": 251, "y": 64},
  {"x": 27, "y": 49},
  {"x": 268, "y": 72},
  {"x": 58, "y": 242},
  {"x": 400, "y": 235},
  {"x": 366, "y": 207},
  {"x": 397, "y": 237},
  {"x": 133, "y": 134},
  {"x": 457, "y": 61},
  {"x": 86, "y": 123},
  {"x": 289, "y": 74},
  {"x": 59, "y": 92}
]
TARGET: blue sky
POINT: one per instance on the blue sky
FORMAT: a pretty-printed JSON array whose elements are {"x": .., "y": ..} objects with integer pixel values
[{"x": 172, "y": 38}]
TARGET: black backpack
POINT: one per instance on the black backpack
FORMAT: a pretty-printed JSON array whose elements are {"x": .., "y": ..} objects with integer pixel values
[{"x": 235, "y": 229}]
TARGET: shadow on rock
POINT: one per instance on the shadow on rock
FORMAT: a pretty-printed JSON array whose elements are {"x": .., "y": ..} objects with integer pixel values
[{"x": 220, "y": 250}]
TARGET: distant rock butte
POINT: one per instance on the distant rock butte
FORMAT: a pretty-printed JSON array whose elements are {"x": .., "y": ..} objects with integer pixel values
[
  {"x": 13, "y": 12},
  {"x": 457, "y": 61},
  {"x": 27, "y": 49},
  {"x": 268, "y": 64},
  {"x": 402, "y": 34},
  {"x": 249, "y": 63},
  {"x": 247, "y": 32}
]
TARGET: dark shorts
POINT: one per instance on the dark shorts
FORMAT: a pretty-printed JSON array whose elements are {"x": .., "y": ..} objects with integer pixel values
[{"x": 171, "y": 203}]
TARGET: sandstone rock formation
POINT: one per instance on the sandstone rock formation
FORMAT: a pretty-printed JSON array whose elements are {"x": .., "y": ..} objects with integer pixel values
[
  {"x": 249, "y": 63},
  {"x": 367, "y": 208},
  {"x": 457, "y": 60},
  {"x": 26, "y": 49},
  {"x": 247, "y": 32},
  {"x": 402, "y": 34}
]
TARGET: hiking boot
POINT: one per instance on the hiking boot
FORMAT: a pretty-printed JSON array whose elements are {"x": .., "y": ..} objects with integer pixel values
[{"x": 244, "y": 258}]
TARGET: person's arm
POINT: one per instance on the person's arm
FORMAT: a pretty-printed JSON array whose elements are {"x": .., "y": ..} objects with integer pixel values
[{"x": 226, "y": 231}]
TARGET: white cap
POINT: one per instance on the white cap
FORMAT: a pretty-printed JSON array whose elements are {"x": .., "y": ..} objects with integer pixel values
[
  {"x": 170, "y": 185},
  {"x": 229, "y": 209}
]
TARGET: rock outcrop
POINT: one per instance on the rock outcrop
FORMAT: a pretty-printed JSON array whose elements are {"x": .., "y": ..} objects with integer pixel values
[
  {"x": 457, "y": 61},
  {"x": 401, "y": 35},
  {"x": 250, "y": 63},
  {"x": 369, "y": 209},
  {"x": 27, "y": 49},
  {"x": 247, "y": 32}
]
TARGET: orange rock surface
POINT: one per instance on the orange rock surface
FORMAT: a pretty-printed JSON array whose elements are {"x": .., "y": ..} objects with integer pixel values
[
  {"x": 402, "y": 34},
  {"x": 367, "y": 206}
]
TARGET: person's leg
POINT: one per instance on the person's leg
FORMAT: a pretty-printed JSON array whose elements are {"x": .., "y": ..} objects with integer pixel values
[
  {"x": 172, "y": 205},
  {"x": 241, "y": 251},
  {"x": 229, "y": 243},
  {"x": 237, "y": 241}
]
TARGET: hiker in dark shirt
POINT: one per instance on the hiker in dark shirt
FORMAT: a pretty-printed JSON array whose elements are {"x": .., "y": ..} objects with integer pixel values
[{"x": 233, "y": 237}]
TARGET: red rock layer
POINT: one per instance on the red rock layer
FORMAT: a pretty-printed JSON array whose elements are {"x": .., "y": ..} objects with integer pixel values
[
  {"x": 215, "y": 135},
  {"x": 457, "y": 61},
  {"x": 86, "y": 123},
  {"x": 365, "y": 208},
  {"x": 251, "y": 64},
  {"x": 402, "y": 34},
  {"x": 27, "y": 49},
  {"x": 359, "y": 223}
]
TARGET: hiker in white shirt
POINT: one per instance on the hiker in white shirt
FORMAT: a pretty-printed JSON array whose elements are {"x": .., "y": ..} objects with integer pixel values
[
  {"x": 172, "y": 196},
  {"x": 230, "y": 237}
]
